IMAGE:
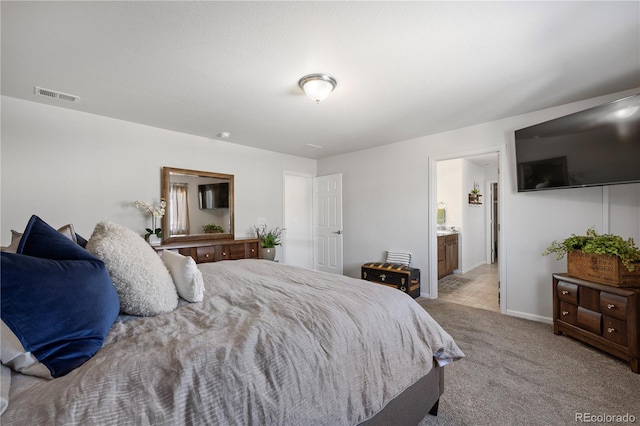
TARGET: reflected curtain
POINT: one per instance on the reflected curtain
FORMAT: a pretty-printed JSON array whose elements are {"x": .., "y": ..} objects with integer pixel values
[{"x": 179, "y": 209}]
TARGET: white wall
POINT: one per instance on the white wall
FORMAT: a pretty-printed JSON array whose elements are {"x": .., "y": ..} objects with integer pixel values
[
  {"x": 386, "y": 206},
  {"x": 72, "y": 167},
  {"x": 472, "y": 238}
]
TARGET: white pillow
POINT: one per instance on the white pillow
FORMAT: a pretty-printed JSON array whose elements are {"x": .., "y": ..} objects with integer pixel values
[
  {"x": 143, "y": 283},
  {"x": 397, "y": 257},
  {"x": 186, "y": 275}
]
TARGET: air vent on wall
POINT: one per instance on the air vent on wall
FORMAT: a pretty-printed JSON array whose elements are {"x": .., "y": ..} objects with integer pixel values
[{"x": 53, "y": 94}]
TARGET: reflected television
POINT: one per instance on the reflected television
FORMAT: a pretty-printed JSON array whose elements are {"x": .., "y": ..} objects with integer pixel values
[{"x": 213, "y": 196}]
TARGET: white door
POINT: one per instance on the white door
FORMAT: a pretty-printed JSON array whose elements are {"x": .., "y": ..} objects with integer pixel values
[
  {"x": 297, "y": 243},
  {"x": 327, "y": 223}
]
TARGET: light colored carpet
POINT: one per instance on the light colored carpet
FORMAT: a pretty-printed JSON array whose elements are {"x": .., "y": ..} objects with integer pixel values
[{"x": 517, "y": 372}]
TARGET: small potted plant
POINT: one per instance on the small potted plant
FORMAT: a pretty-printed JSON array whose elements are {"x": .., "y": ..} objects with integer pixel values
[
  {"x": 606, "y": 259},
  {"x": 474, "y": 195},
  {"x": 212, "y": 229},
  {"x": 269, "y": 239},
  {"x": 154, "y": 234}
]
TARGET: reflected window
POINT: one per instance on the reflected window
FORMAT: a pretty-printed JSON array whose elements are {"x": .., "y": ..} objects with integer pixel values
[{"x": 179, "y": 208}]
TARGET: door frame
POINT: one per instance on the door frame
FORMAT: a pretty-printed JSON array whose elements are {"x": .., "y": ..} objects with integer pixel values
[{"x": 433, "y": 226}]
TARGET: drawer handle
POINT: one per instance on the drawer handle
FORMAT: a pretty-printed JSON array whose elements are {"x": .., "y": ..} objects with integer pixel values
[
  {"x": 610, "y": 306},
  {"x": 383, "y": 277},
  {"x": 253, "y": 251},
  {"x": 565, "y": 291},
  {"x": 224, "y": 254},
  {"x": 206, "y": 255},
  {"x": 565, "y": 312},
  {"x": 611, "y": 330}
]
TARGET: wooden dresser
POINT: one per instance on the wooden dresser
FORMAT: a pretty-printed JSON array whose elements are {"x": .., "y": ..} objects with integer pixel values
[
  {"x": 603, "y": 316},
  {"x": 216, "y": 250}
]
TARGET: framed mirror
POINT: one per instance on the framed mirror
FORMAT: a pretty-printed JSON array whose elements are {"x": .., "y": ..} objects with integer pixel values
[{"x": 199, "y": 205}]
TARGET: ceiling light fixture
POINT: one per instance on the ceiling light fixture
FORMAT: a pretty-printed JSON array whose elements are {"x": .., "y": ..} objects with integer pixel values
[{"x": 317, "y": 86}]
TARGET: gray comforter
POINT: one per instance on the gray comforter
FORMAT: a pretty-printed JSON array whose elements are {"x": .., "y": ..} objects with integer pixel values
[{"x": 269, "y": 345}]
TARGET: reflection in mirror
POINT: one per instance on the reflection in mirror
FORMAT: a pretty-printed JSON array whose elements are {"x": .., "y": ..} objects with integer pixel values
[{"x": 199, "y": 205}]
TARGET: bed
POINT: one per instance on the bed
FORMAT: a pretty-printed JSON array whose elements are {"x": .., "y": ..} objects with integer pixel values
[{"x": 269, "y": 344}]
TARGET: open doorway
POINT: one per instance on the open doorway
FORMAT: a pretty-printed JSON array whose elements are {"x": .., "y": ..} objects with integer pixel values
[
  {"x": 494, "y": 221},
  {"x": 476, "y": 279}
]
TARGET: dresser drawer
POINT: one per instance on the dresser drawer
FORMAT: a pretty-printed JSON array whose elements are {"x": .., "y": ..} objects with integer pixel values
[
  {"x": 223, "y": 252},
  {"x": 615, "y": 330},
  {"x": 206, "y": 254},
  {"x": 589, "y": 320},
  {"x": 235, "y": 251},
  {"x": 613, "y": 305},
  {"x": 251, "y": 250},
  {"x": 189, "y": 251},
  {"x": 568, "y": 292},
  {"x": 568, "y": 313},
  {"x": 589, "y": 298}
]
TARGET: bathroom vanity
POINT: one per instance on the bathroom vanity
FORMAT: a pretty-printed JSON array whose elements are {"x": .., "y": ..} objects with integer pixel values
[{"x": 447, "y": 253}]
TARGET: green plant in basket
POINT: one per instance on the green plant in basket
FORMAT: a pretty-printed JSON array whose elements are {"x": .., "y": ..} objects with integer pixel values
[
  {"x": 212, "y": 228},
  {"x": 592, "y": 242}
]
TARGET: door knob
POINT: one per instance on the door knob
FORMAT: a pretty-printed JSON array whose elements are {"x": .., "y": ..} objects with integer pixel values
[{"x": 339, "y": 232}]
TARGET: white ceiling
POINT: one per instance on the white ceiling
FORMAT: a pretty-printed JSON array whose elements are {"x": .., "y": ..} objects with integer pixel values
[{"x": 404, "y": 69}]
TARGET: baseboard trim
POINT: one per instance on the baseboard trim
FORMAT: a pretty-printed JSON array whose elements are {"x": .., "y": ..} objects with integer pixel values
[
  {"x": 518, "y": 314},
  {"x": 537, "y": 318}
]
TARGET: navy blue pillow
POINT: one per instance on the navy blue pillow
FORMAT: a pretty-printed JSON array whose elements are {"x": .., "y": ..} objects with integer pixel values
[{"x": 57, "y": 298}]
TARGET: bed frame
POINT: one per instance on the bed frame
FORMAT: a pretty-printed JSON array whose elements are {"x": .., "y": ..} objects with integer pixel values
[{"x": 412, "y": 405}]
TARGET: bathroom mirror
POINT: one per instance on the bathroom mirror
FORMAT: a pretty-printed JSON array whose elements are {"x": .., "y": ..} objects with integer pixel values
[{"x": 199, "y": 205}]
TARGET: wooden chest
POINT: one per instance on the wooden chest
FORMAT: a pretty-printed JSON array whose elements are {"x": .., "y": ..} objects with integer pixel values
[{"x": 395, "y": 275}]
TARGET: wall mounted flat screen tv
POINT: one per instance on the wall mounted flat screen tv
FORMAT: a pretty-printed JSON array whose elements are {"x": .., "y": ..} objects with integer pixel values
[
  {"x": 597, "y": 146},
  {"x": 213, "y": 196}
]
